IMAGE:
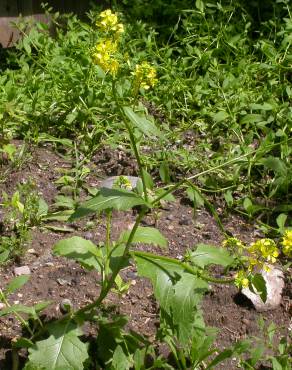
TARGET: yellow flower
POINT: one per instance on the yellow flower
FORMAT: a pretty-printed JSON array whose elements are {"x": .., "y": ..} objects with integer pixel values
[
  {"x": 103, "y": 55},
  {"x": 144, "y": 76},
  {"x": 108, "y": 20},
  {"x": 109, "y": 23},
  {"x": 265, "y": 249},
  {"x": 233, "y": 243},
  {"x": 241, "y": 279},
  {"x": 287, "y": 243}
]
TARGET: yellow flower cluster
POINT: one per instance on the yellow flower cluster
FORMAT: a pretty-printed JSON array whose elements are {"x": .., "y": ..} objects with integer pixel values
[
  {"x": 263, "y": 250},
  {"x": 104, "y": 53},
  {"x": 233, "y": 243},
  {"x": 287, "y": 243},
  {"x": 109, "y": 23},
  {"x": 241, "y": 279},
  {"x": 144, "y": 76},
  {"x": 257, "y": 256}
]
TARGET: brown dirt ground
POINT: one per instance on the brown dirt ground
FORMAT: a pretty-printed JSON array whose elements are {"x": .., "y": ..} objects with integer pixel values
[{"x": 54, "y": 278}]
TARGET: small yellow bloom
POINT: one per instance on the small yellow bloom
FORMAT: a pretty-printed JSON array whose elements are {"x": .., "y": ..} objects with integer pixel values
[
  {"x": 287, "y": 243},
  {"x": 144, "y": 76},
  {"x": 103, "y": 55},
  {"x": 233, "y": 243},
  {"x": 108, "y": 23},
  {"x": 264, "y": 249},
  {"x": 241, "y": 279}
]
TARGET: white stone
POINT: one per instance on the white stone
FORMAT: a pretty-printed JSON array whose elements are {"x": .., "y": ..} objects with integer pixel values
[
  {"x": 109, "y": 182},
  {"x": 22, "y": 270},
  {"x": 275, "y": 283}
]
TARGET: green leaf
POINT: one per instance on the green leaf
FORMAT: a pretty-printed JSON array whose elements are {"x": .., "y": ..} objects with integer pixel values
[
  {"x": 228, "y": 198},
  {"x": 188, "y": 292},
  {"x": 281, "y": 220},
  {"x": 61, "y": 216},
  {"x": 220, "y": 116},
  {"x": 147, "y": 127},
  {"x": 164, "y": 172},
  {"x": 17, "y": 308},
  {"x": 16, "y": 283},
  {"x": 264, "y": 106},
  {"x": 227, "y": 353},
  {"x": 63, "y": 350},
  {"x": 80, "y": 250},
  {"x": 275, "y": 164},
  {"x": 146, "y": 235},
  {"x": 177, "y": 292},
  {"x": 206, "y": 255},
  {"x": 200, "y": 5},
  {"x": 42, "y": 208},
  {"x": 120, "y": 360},
  {"x": 118, "y": 199},
  {"x": 251, "y": 118},
  {"x": 259, "y": 283},
  {"x": 195, "y": 197}
]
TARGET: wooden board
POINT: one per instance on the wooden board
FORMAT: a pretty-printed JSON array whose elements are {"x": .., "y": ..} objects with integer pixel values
[{"x": 11, "y": 9}]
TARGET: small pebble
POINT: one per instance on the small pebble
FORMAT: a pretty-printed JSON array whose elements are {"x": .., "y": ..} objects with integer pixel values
[
  {"x": 22, "y": 270},
  {"x": 49, "y": 264},
  {"x": 2, "y": 305},
  {"x": 185, "y": 221},
  {"x": 170, "y": 217},
  {"x": 62, "y": 282},
  {"x": 88, "y": 235},
  {"x": 65, "y": 305},
  {"x": 170, "y": 227}
]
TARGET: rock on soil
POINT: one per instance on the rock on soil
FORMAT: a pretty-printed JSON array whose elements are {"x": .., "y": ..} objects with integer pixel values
[
  {"x": 22, "y": 270},
  {"x": 275, "y": 284}
]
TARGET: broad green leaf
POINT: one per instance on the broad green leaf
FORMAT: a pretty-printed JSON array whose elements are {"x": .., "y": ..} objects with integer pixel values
[
  {"x": 17, "y": 308},
  {"x": 61, "y": 216},
  {"x": 16, "y": 283},
  {"x": 62, "y": 350},
  {"x": 220, "y": 116},
  {"x": 177, "y": 292},
  {"x": 118, "y": 199},
  {"x": 120, "y": 360},
  {"x": 264, "y": 106},
  {"x": 251, "y": 118},
  {"x": 147, "y": 235},
  {"x": 195, "y": 197},
  {"x": 147, "y": 127},
  {"x": 281, "y": 220},
  {"x": 188, "y": 292},
  {"x": 80, "y": 250},
  {"x": 200, "y": 5},
  {"x": 248, "y": 205},
  {"x": 206, "y": 255},
  {"x": 275, "y": 164},
  {"x": 259, "y": 283},
  {"x": 43, "y": 208}
]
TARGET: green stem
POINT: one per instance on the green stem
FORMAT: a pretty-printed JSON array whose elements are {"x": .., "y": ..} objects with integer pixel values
[
  {"x": 19, "y": 317},
  {"x": 185, "y": 266},
  {"x": 108, "y": 240},
  {"x": 132, "y": 140},
  {"x": 108, "y": 286}
]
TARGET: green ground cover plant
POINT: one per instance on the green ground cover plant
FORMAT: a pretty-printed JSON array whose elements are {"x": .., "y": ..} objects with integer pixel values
[{"x": 93, "y": 84}]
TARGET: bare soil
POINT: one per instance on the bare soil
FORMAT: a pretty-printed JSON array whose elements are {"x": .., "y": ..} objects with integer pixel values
[{"x": 54, "y": 278}]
